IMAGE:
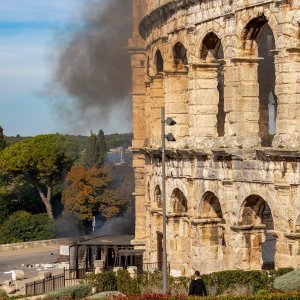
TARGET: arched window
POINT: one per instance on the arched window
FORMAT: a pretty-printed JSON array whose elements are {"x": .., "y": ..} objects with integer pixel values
[
  {"x": 157, "y": 197},
  {"x": 259, "y": 33},
  {"x": 210, "y": 206},
  {"x": 180, "y": 55},
  {"x": 179, "y": 201},
  {"x": 159, "y": 62}
]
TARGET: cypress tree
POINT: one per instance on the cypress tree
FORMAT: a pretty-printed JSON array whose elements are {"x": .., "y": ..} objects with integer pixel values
[
  {"x": 101, "y": 149},
  {"x": 90, "y": 153},
  {"x": 2, "y": 140}
]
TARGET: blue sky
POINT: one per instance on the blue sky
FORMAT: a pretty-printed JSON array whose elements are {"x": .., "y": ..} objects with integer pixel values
[{"x": 28, "y": 38}]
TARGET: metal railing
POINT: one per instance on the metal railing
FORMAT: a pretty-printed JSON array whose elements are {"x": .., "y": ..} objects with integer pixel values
[
  {"x": 69, "y": 277},
  {"x": 47, "y": 285}
]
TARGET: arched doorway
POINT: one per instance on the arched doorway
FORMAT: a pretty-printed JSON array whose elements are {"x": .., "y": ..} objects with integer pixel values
[
  {"x": 179, "y": 233},
  {"x": 157, "y": 236},
  {"x": 211, "y": 232},
  {"x": 259, "y": 31},
  {"x": 257, "y": 214},
  {"x": 212, "y": 52}
]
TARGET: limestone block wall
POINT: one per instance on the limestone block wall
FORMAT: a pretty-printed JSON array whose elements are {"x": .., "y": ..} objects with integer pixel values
[
  {"x": 233, "y": 185},
  {"x": 211, "y": 234}
]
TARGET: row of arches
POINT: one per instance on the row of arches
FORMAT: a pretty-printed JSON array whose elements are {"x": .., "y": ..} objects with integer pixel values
[
  {"x": 255, "y": 214},
  {"x": 254, "y": 210},
  {"x": 258, "y": 41}
]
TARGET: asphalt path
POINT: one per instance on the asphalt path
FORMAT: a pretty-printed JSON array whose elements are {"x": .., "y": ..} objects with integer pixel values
[{"x": 28, "y": 260}]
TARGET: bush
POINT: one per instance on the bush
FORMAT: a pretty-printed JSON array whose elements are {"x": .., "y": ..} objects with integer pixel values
[
  {"x": 218, "y": 283},
  {"x": 125, "y": 284},
  {"x": 22, "y": 227},
  {"x": 103, "y": 282},
  {"x": 74, "y": 292},
  {"x": 293, "y": 296},
  {"x": 288, "y": 282},
  {"x": 3, "y": 294}
]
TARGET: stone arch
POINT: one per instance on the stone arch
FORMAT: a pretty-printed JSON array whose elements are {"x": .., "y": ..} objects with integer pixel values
[
  {"x": 258, "y": 40},
  {"x": 179, "y": 201},
  {"x": 180, "y": 57},
  {"x": 257, "y": 215},
  {"x": 158, "y": 197},
  {"x": 159, "y": 62},
  {"x": 248, "y": 19},
  {"x": 210, "y": 206},
  {"x": 211, "y": 48}
]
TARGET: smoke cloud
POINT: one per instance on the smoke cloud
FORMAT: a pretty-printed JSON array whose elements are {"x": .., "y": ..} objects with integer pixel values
[
  {"x": 118, "y": 225},
  {"x": 94, "y": 68}
]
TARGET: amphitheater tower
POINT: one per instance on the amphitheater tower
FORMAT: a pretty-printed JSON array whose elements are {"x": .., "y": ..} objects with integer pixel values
[{"x": 228, "y": 72}]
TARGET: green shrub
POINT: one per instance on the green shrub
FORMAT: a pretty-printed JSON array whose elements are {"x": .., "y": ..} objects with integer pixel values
[
  {"x": 125, "y": 284},
  {"x": 74, "y": 292},
  {"x": 3, "y": 294},
  {"x": 218, "y": 283},
  {"x": 103, "y": 282},
  {"x": 22, "y": 227},
  {"x": 288, "y": 282},
  {"x": 293, "y": 296}
]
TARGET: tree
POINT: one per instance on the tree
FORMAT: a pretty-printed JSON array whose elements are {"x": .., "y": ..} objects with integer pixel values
[
  {"x": 41, "y": 161},
  {"x": 22, "y": 227},
  {"x": 101, "y": 150},
  {"x": 88, "y": 193},
  {"x": 2, "y": 140},
  {"x": 95, "y": 152}
]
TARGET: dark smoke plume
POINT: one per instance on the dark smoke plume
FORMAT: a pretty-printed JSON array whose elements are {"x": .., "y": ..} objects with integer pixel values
[{"x": 94, "y": 67}]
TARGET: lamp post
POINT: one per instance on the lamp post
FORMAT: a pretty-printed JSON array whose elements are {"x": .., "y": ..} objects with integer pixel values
[{"x": 170, "y": 138}]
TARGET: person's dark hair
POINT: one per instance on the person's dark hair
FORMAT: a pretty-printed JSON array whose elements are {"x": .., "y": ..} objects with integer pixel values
[{"x": 197, "y": 273}]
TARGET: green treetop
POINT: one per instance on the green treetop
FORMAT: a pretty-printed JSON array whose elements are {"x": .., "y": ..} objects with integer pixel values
[
  {"x": 2, "y": 140},
  {"x": 42, "y": 161}
]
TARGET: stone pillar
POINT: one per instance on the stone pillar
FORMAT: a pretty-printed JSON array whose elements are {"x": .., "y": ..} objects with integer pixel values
[
  {"x": 242, "y": 103},
  {"x": 288, "y": 93},
  {"x": 283, "y": 218},
  {"x": 203, "y": 110},
  {"x": 139, "y": 194},
  {"x": 176, "y": 99},
  {"x": 157, "y": 102}
]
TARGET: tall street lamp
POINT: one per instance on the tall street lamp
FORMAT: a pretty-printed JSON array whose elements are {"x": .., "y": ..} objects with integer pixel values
[{"x": 169, "y": 137}]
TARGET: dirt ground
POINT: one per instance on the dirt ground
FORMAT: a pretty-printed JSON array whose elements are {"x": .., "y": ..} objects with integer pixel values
[{"x": 31, "y": 261}]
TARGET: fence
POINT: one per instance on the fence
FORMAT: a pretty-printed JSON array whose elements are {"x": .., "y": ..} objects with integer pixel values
[{"x": 69, "y": 277}]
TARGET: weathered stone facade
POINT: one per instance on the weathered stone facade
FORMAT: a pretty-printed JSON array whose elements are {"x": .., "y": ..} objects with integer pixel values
[{"x": 228, "y": 72}]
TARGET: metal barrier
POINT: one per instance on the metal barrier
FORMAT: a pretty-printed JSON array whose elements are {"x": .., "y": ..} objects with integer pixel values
[
  {"x": 44, "y": 286},
  {"x": 69, "y": 277}
]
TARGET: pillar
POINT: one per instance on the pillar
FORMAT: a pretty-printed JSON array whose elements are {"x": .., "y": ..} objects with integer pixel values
[
  {"x": 203, "y": 100},
  {"x": 176, "y": 98},
  {"x": 242, "y": 103},
  {"x": 157, "y": 102},
  {"x": 288, "y": 93}
]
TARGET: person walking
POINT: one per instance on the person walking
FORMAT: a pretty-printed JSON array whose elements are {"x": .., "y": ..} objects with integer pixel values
[{"x": 197, "y": 286}]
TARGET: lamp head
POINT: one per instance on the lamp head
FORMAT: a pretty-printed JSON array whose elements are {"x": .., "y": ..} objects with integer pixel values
[
  {"x": 170, "y": 121},
  {"x": 170, "y": 137}
]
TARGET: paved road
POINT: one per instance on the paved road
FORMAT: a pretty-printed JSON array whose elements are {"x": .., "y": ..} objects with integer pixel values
[{"x": 25, "y": 258}]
